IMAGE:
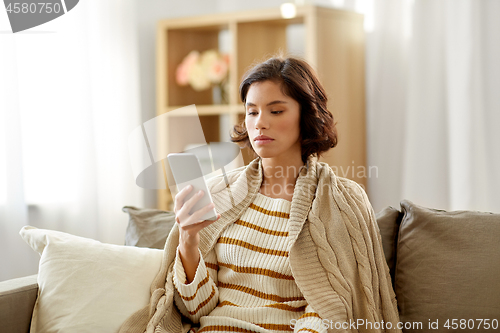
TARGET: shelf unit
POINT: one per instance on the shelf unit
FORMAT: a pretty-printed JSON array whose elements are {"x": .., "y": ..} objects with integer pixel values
[{"x": 330, "y": 40}]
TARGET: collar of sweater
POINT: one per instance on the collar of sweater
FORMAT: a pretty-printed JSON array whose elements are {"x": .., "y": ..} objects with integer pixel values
[{"x": 235, "y": 192}]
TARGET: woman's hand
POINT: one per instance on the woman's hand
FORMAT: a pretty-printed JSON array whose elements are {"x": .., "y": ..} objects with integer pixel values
[{"x": 189, "y": 227}]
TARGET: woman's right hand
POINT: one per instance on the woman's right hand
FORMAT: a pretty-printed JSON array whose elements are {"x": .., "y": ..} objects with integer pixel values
[
  {"x": 191, "y": 224},
  {"x": 189, "y": 227}
]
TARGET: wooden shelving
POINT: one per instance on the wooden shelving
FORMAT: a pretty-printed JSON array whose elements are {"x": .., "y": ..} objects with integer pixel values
[{"x": 332, "y": 42}]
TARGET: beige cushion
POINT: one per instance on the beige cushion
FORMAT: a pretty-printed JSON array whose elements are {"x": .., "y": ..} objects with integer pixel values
[
  {"x": 388, "y": 221},
  {"x": 148, "y": 227},
  {"x": 88, "y": 286},
  {"x": 17, "y": 298},
  {"x": 448, "y": 266}
]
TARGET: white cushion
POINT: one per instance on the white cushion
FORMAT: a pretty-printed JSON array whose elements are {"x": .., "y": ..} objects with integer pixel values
[{"x": 88, "y": 286}]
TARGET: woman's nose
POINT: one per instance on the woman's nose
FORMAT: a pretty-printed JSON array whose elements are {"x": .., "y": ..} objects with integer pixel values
[{"x": 261, "y": 122}]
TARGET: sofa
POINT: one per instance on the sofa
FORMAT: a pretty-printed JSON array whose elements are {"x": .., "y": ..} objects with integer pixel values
[{"x": 445, "y": 267}]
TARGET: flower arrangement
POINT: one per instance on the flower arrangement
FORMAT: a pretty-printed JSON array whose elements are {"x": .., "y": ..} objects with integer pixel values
[{"x": 203, "y": 71}]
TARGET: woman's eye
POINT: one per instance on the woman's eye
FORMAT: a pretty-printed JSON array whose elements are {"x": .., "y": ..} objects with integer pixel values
[
  {"x": 251, "y": 113},
  {"x": 276, "y": 112}
]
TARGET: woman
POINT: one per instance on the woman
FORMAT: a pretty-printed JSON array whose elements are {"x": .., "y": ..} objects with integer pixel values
[{"x": 296, "y": 248}]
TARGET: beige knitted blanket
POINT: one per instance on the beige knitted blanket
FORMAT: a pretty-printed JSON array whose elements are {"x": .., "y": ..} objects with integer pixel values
[{"x": 336, "y": 252}]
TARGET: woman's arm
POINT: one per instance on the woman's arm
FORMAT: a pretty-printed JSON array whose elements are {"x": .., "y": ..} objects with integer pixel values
[
  {"x": 190, "y": 258},
  {"x": 189, "y": 228},
  {"x": 200, "y": 296},
  {"x": 196, "y": 291}
]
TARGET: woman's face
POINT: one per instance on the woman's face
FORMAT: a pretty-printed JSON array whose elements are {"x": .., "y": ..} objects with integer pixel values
[{"x": 272, "y": 121}]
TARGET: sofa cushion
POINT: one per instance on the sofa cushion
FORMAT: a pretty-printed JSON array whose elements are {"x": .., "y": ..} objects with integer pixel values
[
  {"x": 88, "y": 286},
  {"x": 17, "y": 298},
  {"x": 148, "y": 227},
  {"x": 388, "y": 221},
  {"x": 448, "y": 267}
]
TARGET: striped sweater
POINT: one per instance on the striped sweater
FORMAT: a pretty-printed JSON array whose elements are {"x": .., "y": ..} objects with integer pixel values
[{"x": 245, "y": 284}]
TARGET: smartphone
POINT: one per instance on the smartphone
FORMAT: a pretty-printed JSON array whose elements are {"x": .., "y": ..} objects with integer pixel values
[{"x": 186, "y": 170}]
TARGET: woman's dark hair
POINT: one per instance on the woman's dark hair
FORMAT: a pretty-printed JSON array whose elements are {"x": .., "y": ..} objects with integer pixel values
[{"x": 298, "y": 81}]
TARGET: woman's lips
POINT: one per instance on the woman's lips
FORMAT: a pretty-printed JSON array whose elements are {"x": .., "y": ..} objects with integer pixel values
[{"x": 262, "y": 140}]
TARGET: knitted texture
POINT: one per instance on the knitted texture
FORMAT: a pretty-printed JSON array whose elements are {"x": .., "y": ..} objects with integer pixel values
[{"x": 335, "y": 251}]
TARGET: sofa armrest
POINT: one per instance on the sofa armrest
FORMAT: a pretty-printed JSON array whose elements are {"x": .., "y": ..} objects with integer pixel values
[{"x": 17, "y": 299}]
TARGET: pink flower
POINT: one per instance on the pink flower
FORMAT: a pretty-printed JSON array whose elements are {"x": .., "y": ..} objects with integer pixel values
[
  {"x": 183, "y": 70},
  {"x": 215, "y": 66},
  {"x": 226, "y": 58},
  {"x": 218, "y": 71},
  {"x": 202, "y": 71}
]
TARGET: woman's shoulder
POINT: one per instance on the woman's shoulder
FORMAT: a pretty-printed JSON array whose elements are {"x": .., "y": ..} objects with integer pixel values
[
  {"x": 349, "y": 196},
  {"x": 344, "y": 185}
]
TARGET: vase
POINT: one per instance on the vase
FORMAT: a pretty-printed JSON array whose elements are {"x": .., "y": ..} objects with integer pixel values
[{"x": 219, "y": 94}]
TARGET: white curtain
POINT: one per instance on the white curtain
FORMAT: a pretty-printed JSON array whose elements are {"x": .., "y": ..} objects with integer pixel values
[
  {"x": 433, "y": 71},
  {"x": 69, "y": 97},
  {"x": 453, "y": 124},
  {"x": 388, "y": 36}
]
